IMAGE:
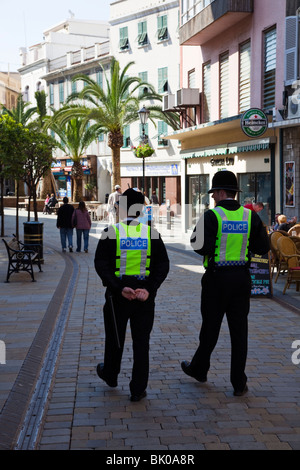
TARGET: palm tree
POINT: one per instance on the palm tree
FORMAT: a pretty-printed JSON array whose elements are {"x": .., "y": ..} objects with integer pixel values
[
  {"x": 75, "y": 136},
  {"x": 113, "y": 108},
  {"x": 20, "y": 114}
]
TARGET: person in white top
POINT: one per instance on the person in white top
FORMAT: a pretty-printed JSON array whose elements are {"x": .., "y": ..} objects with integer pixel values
[{"x": 113, "y": 205}]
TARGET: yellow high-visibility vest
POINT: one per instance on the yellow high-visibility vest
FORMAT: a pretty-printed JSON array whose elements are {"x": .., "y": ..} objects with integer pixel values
[
  {"x": 133, "y": 250},
  {"x": 232, "y": 238}
]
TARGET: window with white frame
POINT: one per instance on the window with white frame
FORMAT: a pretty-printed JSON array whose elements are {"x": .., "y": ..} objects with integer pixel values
[
  {"x": 245, "y": 77},
  {"x": 224, "y": 85},
  {"x": 269, "y": 72},
  {"x": 206, "y": 91}
]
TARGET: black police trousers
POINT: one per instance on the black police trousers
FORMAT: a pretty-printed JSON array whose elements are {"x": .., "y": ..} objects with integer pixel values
[
  {"x": 224, "y": 291},
  {"x": 140, "y": 316}
]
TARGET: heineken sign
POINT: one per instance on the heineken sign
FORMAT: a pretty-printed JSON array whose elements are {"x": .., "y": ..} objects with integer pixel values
[{"x": 254, "y": 122}]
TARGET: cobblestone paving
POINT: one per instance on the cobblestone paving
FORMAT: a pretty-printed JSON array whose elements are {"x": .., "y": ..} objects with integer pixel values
[{"x": 178, "y": 412}]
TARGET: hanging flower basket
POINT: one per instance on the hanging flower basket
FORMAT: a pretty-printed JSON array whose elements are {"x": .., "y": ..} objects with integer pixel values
[{"x": 143, "y": 151}]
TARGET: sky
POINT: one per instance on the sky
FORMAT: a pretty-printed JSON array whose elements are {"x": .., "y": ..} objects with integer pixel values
[{"x": 23, "y": 23}]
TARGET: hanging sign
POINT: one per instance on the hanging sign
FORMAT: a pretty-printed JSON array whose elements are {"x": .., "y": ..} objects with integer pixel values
[{"x": 254, "y": 122}]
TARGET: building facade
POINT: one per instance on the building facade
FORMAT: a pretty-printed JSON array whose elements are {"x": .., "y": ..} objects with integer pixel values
[
  {"x": 147, "y": 33},
  {"x": 234, "y": 52},
  {"x": 69, "y": 48}
]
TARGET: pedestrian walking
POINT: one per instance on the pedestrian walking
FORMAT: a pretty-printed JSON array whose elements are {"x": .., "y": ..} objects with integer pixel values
[
  {"x": 64, "y": 223},
  {"x": 226, "y": 236},
  {"x": 81, "y": 220},
  {"x": 132, "y": 262},
  {"x": 113, "y": 205}
]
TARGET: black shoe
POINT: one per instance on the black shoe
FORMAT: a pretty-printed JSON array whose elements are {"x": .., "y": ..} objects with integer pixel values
[
  {"x": 240, "y": 393},
  {"x": 138, "y": 397},
  {"x": 185, "y": 366},
  {"x": 70, "y": 249},
  {"x": 110, "y": 383}
]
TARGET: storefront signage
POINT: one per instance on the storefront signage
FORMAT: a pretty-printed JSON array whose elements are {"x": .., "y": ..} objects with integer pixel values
[
  {"x": 222, "y": 161},
  {"x": 254, "y": 122},
  {"x": 151, "y": 170}
]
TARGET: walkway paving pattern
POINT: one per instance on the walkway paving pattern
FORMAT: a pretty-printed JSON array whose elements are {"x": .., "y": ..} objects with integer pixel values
[{"x": 52, "y": 331}]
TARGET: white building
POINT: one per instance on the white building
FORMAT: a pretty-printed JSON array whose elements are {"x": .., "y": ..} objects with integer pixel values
[
  {"x": 71, "y": 47},
  {"x": 69, "y": 35},
  {"x": 146, "y": 32}
]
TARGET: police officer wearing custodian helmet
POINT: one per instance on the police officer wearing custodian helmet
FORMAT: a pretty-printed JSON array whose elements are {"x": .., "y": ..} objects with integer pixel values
[
  {"x": 231, "y": 232},
  {"x": 132, "y": 262}
]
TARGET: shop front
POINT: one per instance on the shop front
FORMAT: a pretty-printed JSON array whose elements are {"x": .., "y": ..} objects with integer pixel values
[
  {"x": 161, "y": 179},
  {"x": 250, "y": 161},
  {"x": 61, "y": 171}
]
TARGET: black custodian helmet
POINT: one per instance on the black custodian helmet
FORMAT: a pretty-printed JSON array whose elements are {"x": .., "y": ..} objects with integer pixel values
[{"x": 226, "y": 180}]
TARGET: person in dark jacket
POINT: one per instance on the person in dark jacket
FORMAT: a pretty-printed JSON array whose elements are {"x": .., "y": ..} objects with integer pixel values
[
  {"x": 132, "y": 262},
  {"x": 226, "y": 236},
  {"x": 64, "y": 223}
]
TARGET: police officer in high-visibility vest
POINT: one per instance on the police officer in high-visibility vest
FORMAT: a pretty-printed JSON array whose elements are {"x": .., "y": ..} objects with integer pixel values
[
  {"x": 226, "y": 236},
  {"x": 132, "y": 262}
]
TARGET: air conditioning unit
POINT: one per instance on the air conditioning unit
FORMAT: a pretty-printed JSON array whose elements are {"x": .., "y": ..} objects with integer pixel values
[
  {"x": 168, "y": 102},
  {"x": 186, "y": 97},
  {"x": 294, "y": 106}
]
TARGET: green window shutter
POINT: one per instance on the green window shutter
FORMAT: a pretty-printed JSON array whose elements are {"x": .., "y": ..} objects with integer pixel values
[
  {"x": 144, "y": 77},
  {"x": 162, "y": 129},
  {"x": 126, "y": 136},
  {"x": 162, "y": 27},
  {"x": 51, "y": 93},
  {"x": 99, "y": 78},
  {"x": 163, "y": 80},
  {"x": 123, "y": 43},
  {"x": 74, "y": 87},
  {"x": 142, "y": 33},
  {"x": 61, "y": 92}
]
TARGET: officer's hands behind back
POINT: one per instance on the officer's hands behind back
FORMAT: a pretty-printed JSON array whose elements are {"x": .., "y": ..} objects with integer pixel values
[{"x": 137, "y": 294}]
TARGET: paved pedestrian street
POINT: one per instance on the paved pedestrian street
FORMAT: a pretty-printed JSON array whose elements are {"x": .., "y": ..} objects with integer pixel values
[{"x": 52, "y": 399}]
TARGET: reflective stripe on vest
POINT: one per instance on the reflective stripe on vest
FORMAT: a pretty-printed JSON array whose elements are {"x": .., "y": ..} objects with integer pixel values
[
  {"x": 133, "y": 250},
  {"x": 233, "y": 236}
]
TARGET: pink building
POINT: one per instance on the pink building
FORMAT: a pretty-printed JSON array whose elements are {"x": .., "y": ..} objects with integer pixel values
[{"x": 232, "y": 60}]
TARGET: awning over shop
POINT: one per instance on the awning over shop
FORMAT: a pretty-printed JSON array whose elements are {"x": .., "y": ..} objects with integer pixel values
[{"x": 229, "y": 149}]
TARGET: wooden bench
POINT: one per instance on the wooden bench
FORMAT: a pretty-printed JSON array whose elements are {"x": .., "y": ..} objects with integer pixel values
[{"x": 20, "y": 258}]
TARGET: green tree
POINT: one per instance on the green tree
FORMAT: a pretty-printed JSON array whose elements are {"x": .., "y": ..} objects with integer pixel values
[
  {"x": 38, "y": 158},
  {"x": 20, "y": 113},
  {"x": 114, "y": 107},
  {"x": 12, "y": 158},
  {"x": 75, "y": 136}
]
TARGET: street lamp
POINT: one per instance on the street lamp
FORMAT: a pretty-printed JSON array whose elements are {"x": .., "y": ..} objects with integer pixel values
[{"x": 144, "y": 114}]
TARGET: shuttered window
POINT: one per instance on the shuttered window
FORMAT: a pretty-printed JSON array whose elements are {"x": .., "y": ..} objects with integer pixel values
[
  {"x": 126, "y": 136},
  {"x": 224, "y": 85},
  {"x": 142, "y": 33},
  {"x": 291, "y": 47},
  {"x": 206, "y": 92},
  {"x": 124, "y": 43},
  {"x": 269, "y": 69},
  {"x": 245, "y": 77},
  {"x": 163, "y": 80}
]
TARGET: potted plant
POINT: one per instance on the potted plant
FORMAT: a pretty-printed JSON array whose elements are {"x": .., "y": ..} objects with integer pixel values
[{"x": 143, "y": 151}]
